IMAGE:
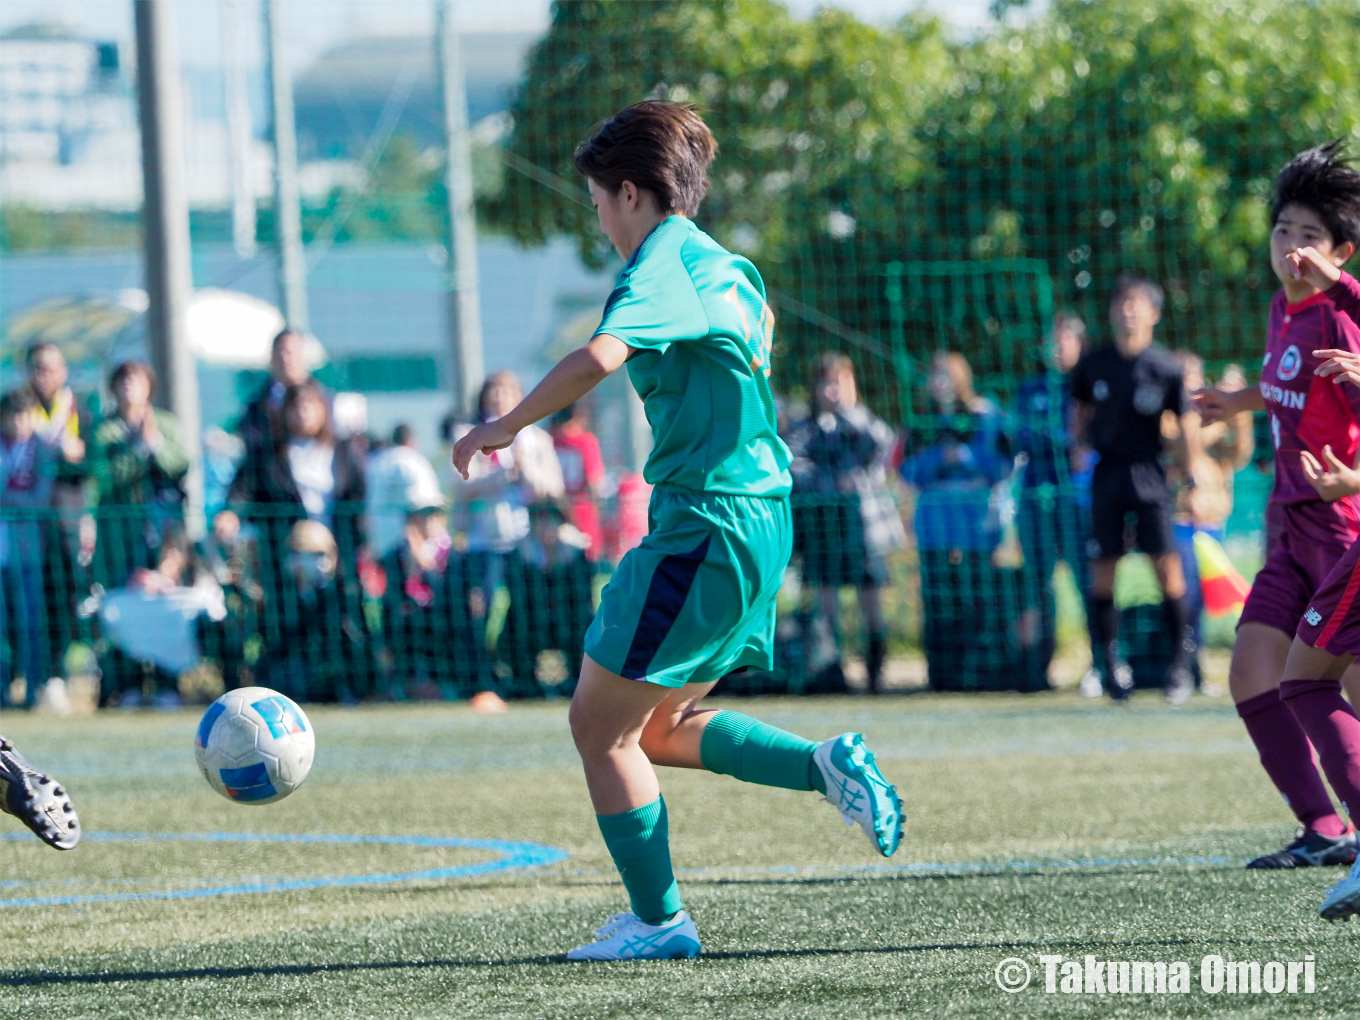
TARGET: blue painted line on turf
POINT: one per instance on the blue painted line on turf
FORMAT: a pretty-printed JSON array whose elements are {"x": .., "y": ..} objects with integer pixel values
[{"x": 514, "y": 856}]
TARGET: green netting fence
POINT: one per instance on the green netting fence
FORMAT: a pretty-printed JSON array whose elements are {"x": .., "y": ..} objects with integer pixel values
[{"x": 906, "y": 191}]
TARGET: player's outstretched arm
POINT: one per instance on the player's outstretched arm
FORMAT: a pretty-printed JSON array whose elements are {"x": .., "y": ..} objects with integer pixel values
[
  {"x": 1317, "y": 269},
  {"x": 570, "y": 380},
  {"x": 1334, "y": 480},
  {"x": 1215, "y": 404}
]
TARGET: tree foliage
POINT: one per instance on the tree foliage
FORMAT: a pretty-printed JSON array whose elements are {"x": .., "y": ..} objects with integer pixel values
[{"x": 1099, "y": 137}]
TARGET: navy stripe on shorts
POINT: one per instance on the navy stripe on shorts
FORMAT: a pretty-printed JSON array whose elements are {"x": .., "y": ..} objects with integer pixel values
[{"x": 671, "y": 582}]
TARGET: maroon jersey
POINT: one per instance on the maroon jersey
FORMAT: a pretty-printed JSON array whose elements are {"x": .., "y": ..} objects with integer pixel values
[{"x": 1306, "y": 411}]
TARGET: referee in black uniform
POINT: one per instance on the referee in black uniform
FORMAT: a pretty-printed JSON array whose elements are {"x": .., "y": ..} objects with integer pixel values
[{"x": 1119, "y": 394}]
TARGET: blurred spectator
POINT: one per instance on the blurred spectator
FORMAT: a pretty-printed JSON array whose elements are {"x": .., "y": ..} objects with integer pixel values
[
  {"x": 434, "y": 623},
  {"x": 222, "y": 454},
  {"x": 629, "y": 523},
  {"x": 63, "y": 424},
  {"x": 1054, "y": 500},
  {"x": 155, "y": 624},
  {"x": 845, "y": 519},
  {"x": 494, "y": 499},
  {"x": 397, "y": 478},
  {"x": 1224, "y": 448},
  {"x": 968, "y": 610},
  {"x": 578, "y": 452},
  {"x": 549, "y": 579},
  {"x": 262, "y": 427},
  {"x": 27, "y": 472},
  {"x": 309, "y": 476},
  {"x": 139, "y": 464}
]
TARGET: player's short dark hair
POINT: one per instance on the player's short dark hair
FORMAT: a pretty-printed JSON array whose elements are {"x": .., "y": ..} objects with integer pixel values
[
  {"x": 662, "y": 147},
  {"x": 1323, "y": 180},
  {"x": 134, "y": 365},
  {"x": 401, "y": 435},
  {"x": 1130, "y": 282}
]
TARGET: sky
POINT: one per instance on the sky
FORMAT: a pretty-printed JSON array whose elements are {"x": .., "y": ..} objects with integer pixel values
[{"x": 316, "y": 25}]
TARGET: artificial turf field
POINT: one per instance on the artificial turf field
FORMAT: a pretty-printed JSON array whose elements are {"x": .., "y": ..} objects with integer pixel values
[{"x": 1039, "y": 824}]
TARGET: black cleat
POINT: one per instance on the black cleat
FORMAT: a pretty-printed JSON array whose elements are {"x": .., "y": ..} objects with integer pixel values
[
  {"x": 1312, "y": 850},
  {"x": 36, "y": 800}
]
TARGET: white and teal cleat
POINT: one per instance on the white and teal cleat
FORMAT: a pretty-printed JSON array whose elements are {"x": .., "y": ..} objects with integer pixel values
[
  {"x": 858, "y": 790},
  {"x": 628, "y": 937},
  {"x": 1343, "y": 899}
]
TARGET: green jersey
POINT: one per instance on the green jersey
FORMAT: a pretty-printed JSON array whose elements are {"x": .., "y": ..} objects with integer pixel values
[{"x": 697, "y": 317}]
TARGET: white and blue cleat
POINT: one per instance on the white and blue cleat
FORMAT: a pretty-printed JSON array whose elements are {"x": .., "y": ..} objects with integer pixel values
[
  {"x": 627, "y": 937},
  {"x": 1343, "y": 899},
  {"x": 859, "y": 791}
]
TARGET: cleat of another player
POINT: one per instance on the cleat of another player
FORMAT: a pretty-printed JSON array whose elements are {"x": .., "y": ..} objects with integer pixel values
[
  {"x": 1312, "y": 850},
  {"x": 36, "y": 800},
  {"x": 1343, "y": 899},
  {"x": 858, "y": 790},
  {"x": 628, "y": 937}
]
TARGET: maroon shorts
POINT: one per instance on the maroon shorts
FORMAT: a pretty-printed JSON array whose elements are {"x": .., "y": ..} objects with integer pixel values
[
  {"x": 1310, "y": 540},
  {"x": 1332, "y": 620}
]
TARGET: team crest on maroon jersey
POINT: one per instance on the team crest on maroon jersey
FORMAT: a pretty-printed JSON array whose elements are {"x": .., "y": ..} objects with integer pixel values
[{"x": 1290, "y": 363}]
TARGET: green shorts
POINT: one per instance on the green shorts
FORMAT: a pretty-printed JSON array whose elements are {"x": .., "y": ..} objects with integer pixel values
[{"x": 696, "y": 600}]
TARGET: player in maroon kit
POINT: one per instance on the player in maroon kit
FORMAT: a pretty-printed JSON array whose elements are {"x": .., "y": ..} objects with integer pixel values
[
  {"x": 1312, "y": 423},
  {"x": 1328, "y": 636}
]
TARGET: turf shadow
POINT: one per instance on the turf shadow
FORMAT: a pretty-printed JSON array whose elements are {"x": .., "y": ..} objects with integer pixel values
[{"x": 29, "y": 979}]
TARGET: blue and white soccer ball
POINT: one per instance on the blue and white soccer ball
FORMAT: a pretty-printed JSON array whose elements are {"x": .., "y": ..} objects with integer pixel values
[{"x": 254, "y": 746}]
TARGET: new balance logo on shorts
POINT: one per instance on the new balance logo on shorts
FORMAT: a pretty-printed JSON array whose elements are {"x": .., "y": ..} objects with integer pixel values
[{"x": 1312, "y": 617}]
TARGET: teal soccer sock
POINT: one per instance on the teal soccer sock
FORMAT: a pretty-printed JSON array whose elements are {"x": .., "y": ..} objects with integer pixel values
[
  {"x": 639, "y": 842},
  {"x": 755, "y": 752}
]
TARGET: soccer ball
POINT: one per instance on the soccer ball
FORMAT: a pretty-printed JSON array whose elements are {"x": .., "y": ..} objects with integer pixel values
[{"x": 254, "y": 746}]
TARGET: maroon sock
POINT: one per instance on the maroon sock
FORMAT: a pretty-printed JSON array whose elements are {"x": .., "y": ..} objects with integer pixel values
[
  {"x": 1288, "y": 760},
  {"x": 1334, "y": 729}
]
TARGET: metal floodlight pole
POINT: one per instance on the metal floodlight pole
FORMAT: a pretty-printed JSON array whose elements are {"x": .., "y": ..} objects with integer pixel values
[
  {"x": 464, "y": 308},
  {"x": 287, "y": 201},
  {"x": 238, "y": 130},
  {"x": 165, "y": 215}
]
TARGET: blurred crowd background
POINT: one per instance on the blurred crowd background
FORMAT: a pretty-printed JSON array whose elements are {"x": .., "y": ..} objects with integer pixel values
[{"x": 940, "y": 204}]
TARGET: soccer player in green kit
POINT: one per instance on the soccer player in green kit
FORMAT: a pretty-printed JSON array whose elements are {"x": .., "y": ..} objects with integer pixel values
[{"x": 696, "y": 600}]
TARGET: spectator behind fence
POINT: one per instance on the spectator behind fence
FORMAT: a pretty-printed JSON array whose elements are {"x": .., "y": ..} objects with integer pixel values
[
  {"x": 495, "y": 497},
  {"x": 63, "y": 424},
  {"x": 1121, "y": 392},
  {"x": 397, "y": 478},
  {"x": 27, "y": 472},
  {"x": 262, "y": 425},
  {"x": 157, "y": 624},
  {"x": 1225, "y": 447},
  {"x": 313, "y": 476},
  {"x": 548, "y": 576},
  {"x": 845, "y": 521},
  {"x": 583, "y": 476},
  {"x": 1054, "y": 497},
  {"x": 139, "y": 464},
  {"x": 966, "y": 609},
  {"x": 434, "y": 626}
]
